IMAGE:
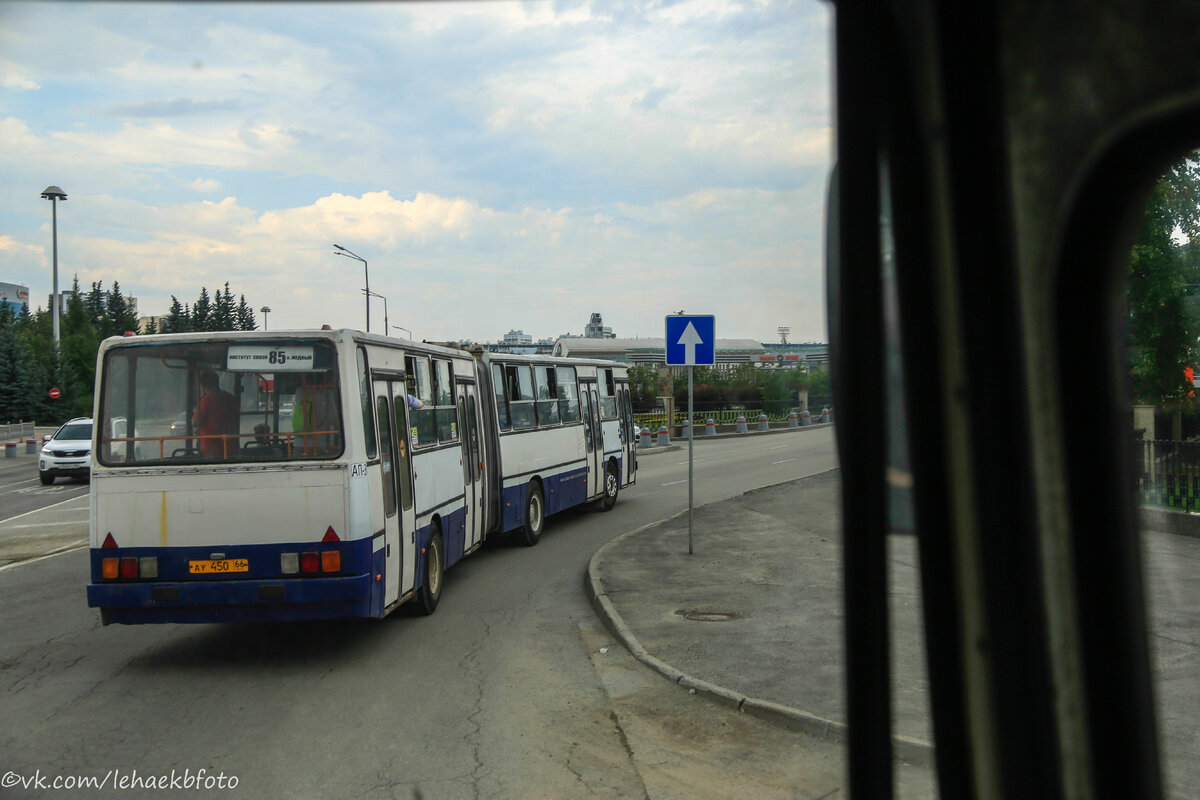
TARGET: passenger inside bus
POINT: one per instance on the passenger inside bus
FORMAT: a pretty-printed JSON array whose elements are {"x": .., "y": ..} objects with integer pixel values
[
  {"x": 315, "y": 416},
  {"x": 216, "y": 418}
]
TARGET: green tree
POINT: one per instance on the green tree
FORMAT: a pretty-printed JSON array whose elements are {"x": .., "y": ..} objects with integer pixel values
[
  {"x": 202, "y": 312},
  {"x": 1162, "y": 332},
  {"x": 15, "y": 391},
  {"x": 245, "y": 316},
  {"x": 120, "y": 314}
]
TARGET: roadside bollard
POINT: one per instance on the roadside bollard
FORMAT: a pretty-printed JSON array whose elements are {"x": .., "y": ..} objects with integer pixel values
[
  {"x": 805, "y": 418},
  {"x": 645, "y": 440},
  {"x": 686, "y": 431},
  {"x": 664, "y": 437},
  {"x": 792, "y": 421},
  {"x": 763, "y": 424},
  {"x": 30, "y": 446},
  {"x": 10, "y": 449},
  {"x": 741, "y": 425},
  {"x": 710, "y": 427},
  {"x": 824, "y": 415}
]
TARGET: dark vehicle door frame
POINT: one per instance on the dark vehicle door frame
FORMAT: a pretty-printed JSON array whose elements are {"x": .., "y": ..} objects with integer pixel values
[{"x": 1011, "y": 147}]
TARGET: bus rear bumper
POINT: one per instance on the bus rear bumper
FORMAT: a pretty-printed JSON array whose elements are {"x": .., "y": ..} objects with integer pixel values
[{"x": 232, "y": 601}]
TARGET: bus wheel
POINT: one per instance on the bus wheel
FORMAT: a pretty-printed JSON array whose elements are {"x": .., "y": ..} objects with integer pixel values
[
  {"x": 431, "y": 582},
  {"x": 535, "y": 516},
  {"x": 612, "y": 484}
]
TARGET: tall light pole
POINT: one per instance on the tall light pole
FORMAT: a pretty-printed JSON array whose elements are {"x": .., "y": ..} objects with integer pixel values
[
  {"x": 369, "y": 293},
  {"x": 341, "y": 251},
  {"x": 54, "y": 194},
  {"x": 406, "y": 330},
  {"x": 265, "y": 310}
]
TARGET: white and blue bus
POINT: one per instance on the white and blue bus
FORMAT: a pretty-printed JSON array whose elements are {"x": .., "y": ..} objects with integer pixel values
[{"x": 290, "y": 475}]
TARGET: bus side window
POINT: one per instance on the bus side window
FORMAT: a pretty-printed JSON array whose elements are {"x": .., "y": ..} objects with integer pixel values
[
  {"x": 568, "y": 395},
  {"x": 501, "y": 403},
  {"x": 447, "y": 426},
  {"x": 424, "y": 419},
  {"x": 364, "y": 393},
  {"x": 608, "y": 403},
  {"x": 546, "y": 386},
  {"x": 520, "y": 394}
]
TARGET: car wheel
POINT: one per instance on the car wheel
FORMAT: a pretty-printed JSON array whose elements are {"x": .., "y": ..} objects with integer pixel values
[
  {"x": 433, "y": 574},
  {"x": 47, "y": 478},
  {"x": 535, "y": 516}
]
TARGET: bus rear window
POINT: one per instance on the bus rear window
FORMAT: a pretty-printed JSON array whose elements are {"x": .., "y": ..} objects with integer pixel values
[{"x": 219, "y": 402}]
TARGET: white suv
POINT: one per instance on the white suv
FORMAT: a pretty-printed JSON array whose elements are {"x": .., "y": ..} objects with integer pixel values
[{"x": 67, "y": 452}]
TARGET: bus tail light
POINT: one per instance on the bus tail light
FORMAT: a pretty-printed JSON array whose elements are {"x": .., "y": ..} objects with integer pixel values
[
  {"x": 331, "y": 561},
  {"x": 289, "y": 563},
  {"x": 310, "y": 562},
  {"x": 110, "y": 568},
  {"x": 129, "y": 567},
  {"x": 148, "y": 565}
]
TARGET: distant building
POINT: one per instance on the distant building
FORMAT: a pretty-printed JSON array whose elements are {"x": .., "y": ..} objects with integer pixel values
[
  {"x": 595, "y": 328},
  {"x": 729, "y": 352},
  {"x": 14, "y": 296},
  {"x": 517, "y": 339}
]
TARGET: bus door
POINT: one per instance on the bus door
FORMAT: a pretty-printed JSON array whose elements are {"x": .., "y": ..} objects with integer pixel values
[
  {"x": 473, "y": 463},
  {"x": 594, "y": 441},
  {"x": 627, "y": 439},
  {"x": 395, "y": 472},
  {"x": 403, "y": 433}
]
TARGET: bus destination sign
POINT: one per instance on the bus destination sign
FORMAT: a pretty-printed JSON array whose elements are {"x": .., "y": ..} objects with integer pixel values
[{"x": 279, "y": 357}]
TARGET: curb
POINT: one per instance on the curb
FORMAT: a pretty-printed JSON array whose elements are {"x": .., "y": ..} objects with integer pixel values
[{"x": 905, "y": 748}]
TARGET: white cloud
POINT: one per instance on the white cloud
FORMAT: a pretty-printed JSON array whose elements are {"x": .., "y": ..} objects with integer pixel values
[{"x": 205, "y": 185}]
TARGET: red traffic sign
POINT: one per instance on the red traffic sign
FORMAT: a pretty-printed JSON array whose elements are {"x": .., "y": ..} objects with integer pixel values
[{"x": 55, "y": 393}]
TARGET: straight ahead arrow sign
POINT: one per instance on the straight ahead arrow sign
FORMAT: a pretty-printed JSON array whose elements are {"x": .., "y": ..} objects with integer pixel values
[{"x": 689, "y": 340}]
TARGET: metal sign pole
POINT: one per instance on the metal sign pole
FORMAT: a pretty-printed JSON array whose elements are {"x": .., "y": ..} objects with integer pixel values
[{"x": 691, "y": 448}]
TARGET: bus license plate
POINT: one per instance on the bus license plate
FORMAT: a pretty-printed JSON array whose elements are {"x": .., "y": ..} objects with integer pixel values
[{"x": 219, "y": 567}]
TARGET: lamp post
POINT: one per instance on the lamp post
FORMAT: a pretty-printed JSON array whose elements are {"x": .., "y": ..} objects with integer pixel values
[
  {"x": 341, "y": 251},
  {"x": 369, "y": 293},
  {"x": 265, "y": 310},
  {"x": 54, "y": 194}
]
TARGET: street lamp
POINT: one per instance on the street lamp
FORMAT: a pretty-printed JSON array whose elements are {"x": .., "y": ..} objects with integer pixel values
[
  {"x": 369, "y": 293},
  {"x": 341, "y": 251},
  {"x": 265, "y": 310},
  {"x": 54, "y": 194}
]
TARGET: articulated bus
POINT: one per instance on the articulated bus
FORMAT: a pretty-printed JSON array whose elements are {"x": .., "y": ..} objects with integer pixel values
[{"x": 315, "y": 474}]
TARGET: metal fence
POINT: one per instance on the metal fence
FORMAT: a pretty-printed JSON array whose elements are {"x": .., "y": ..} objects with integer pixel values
[
  {"x": 18, "y": 430},
  {"x": 1168, "y": 473}
]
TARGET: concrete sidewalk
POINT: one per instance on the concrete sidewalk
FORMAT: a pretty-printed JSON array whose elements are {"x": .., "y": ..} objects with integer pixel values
[{"x": 754, "y": 617}]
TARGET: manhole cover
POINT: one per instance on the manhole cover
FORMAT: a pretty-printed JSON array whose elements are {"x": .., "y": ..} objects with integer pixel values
[{"x": 708, "y": 616}]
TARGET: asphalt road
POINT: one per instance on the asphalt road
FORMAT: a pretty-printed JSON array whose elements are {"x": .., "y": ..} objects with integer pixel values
[
  {"x": 37, "y": 519},
  {"x": 512, "y": 689}
]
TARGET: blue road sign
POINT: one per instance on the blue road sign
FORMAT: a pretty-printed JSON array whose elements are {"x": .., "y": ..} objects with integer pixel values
[{"x": 692, "y": 340}]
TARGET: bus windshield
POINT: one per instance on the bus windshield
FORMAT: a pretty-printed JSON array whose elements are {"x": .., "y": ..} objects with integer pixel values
[{"x": 219, "y": 402}]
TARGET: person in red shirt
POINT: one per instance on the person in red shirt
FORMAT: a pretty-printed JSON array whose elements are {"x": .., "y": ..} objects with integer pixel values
[{"x": 216, "y": 416}]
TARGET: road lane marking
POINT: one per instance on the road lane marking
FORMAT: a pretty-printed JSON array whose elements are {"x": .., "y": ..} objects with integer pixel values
[
  {"x": 58, "y": 524},
  {"x": 45, "y": 508},
  {"x": 65, "y": 549},
  {"x": 672, "y": 483},
  {"x": 18, "y": 483},
  {"x": 786, "y": 460}
]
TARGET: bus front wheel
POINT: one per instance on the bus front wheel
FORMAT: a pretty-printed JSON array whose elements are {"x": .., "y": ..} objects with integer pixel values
[
  {"x": 433, "y": 574},
  {"x": 535, "y": 515}
]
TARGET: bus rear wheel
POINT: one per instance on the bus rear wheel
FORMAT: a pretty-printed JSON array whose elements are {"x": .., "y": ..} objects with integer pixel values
[
  {"x": 433, "y": 574},
  {"x": 612, "y": 485},
  {"x": 535, "y": 516}
]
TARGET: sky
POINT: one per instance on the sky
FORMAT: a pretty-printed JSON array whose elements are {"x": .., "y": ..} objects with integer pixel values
[{"x": 499, "y": 165}]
